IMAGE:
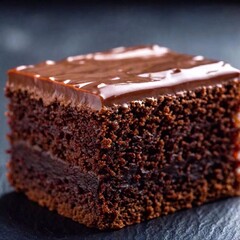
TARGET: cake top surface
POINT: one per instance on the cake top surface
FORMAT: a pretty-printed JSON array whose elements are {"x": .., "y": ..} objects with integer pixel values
[{"x": 119, "y": 75}]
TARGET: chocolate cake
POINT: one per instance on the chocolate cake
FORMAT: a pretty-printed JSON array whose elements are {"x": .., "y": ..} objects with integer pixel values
[{"x": 118, "y": 137}]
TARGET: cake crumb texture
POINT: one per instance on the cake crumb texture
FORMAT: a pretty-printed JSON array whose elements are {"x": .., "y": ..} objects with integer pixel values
[{"x": 140, "y": 160}]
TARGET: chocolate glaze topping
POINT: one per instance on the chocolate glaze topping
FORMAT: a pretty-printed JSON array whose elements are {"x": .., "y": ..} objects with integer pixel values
[{"x": 118, "y": 76}]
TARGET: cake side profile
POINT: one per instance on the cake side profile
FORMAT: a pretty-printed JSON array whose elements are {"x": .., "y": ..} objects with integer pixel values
[{"x": 115, "y": 138}]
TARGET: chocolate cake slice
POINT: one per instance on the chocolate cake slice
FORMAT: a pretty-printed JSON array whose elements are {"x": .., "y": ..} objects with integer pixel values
[{"x": 114, "y": 138}]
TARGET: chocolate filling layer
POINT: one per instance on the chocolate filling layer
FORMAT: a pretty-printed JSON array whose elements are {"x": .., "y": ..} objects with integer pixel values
[{"x": 53, "y": 170}]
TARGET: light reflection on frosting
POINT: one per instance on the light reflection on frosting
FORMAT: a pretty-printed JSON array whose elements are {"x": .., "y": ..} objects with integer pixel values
[
  {"x": 50, "y": 62},
  {"x": 67, "y": 81},
  {"x": 81, "y": 85},
  {"x": 170, "y": 79},
  {"x": 115, "y": 78},
  {"x": 52, "y": 78},
  {"x": 19, "y": 68},
  {"x": 154, "y": 51},
  {"x": 123, "y": 74},
  {"x": 101, "y": 85},
  {"x": 198, "y": 58}
]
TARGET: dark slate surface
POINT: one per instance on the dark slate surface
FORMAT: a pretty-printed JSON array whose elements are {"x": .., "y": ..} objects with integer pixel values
[{"x": 29, "y": 35}]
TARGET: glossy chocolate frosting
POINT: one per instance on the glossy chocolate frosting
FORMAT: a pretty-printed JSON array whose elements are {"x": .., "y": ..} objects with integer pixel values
[{"x": 118, "y": 76}]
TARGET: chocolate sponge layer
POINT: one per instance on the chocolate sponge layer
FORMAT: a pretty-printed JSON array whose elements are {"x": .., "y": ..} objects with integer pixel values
[
  {"x": 54, "y": 183},
  {"x": 143, "y": 159}
]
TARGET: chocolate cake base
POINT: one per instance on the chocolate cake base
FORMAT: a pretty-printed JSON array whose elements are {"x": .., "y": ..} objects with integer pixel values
[
  {"x": 54, "y": 183},
  {"x": 127, "y": 163}
]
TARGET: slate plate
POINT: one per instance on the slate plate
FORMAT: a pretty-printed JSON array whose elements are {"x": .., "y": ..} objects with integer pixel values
[
  {"x": 33, "y": 34},
  {"x": 22, "y": 219}
]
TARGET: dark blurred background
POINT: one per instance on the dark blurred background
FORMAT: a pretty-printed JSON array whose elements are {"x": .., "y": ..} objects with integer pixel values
[{"x": 33, "y": 31}]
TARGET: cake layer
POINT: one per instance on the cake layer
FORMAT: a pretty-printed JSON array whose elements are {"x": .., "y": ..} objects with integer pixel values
[
  {"x": 151, "y": 157},
  {"x": 66, "y": 132},
  {"x": 54, "y": 183},
  {"x": 56, "y": 170},
  {"x": 118, "y": 76}
]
